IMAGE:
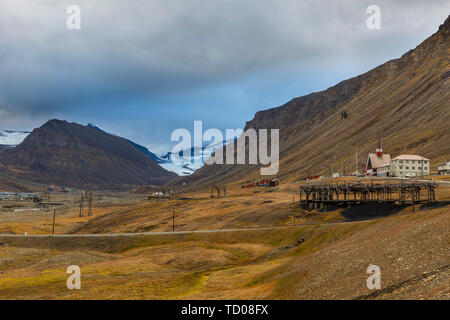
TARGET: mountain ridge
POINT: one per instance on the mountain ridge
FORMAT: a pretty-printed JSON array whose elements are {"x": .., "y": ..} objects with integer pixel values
[
  {"x": 70, "y": 154},
  {"x": 405, "y": 99}
]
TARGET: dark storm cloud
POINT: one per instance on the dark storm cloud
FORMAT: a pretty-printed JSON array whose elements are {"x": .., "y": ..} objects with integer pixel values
[{"x": 150, "y": 50}]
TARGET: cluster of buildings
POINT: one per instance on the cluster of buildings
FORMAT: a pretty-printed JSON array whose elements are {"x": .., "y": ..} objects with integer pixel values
[
  {"x": 59, "y": 189},
  {"x": 263, "y": 183},
  {"x": 162, "y": 193},
  {"x": 403, "y": 166},
  {"x": 22, "y": 196}
]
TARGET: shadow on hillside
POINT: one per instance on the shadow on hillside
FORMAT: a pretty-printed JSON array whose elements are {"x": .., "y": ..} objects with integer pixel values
[
  {"x": 375, "y": 210},
  {"x": 435, "y": 205},
  {"x": 363, "y": 211},
  {"x": 370, "y": 211}
]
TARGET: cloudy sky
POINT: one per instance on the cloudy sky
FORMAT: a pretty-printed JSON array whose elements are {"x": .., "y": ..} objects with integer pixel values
[{"x": 141, "y": 69}]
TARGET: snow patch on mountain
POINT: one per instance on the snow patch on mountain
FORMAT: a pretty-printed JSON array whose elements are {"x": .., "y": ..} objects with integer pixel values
[
  {"x": 179, "y": 165},
  {"x": 193, "y": 159},
  {"x": 12, "y": 138}
]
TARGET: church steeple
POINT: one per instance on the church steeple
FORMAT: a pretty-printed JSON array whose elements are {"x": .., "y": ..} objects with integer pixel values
[{"x": 379, "y": 147}]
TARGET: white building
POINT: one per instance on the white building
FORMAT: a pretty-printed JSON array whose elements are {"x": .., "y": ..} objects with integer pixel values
[
  {"x": 444, "y": 168},
  {"x": 409, "y": 165},
  {"x": 384, "y": 170}
]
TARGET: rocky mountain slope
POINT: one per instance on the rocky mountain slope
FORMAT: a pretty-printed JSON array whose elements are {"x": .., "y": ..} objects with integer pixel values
[
  {"x": 406, "y": 101},
  {"x": 70, "y": 154}
]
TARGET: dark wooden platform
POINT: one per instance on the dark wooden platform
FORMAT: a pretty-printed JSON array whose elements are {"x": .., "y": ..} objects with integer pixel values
[{"x": 346, "y": 194}]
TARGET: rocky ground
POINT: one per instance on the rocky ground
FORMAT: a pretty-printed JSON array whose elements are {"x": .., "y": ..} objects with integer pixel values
[{"x": 321, "y": 261}]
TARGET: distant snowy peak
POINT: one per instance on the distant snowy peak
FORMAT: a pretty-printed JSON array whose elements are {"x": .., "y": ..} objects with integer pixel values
[
  {"x": 179, "y": 165},
  {"x": 193, "y": 159},
  {"x": 12, "y": 138}
]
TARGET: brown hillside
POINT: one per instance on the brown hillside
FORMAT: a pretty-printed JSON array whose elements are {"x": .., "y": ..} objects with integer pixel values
[
  {"x": 406, "y": 100},
  {"x": 411, "y": 250}
]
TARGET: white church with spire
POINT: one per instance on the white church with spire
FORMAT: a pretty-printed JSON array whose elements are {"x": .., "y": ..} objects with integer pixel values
[{"x": 377, "y": 161}]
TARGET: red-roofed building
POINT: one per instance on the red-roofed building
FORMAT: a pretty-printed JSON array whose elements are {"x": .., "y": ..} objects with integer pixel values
[{"x": 377, "y": 160}]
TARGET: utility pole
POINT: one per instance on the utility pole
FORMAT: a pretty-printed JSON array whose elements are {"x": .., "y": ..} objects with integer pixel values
[
  {"x": 54, "y": 217},
  {"x": 81, "y": 204},
  {"x": 422, "y": 168},
  {"x": 331, "y": 166},
  {"x": 173, "y": 220},
  {"x": 90, "y": 200}
]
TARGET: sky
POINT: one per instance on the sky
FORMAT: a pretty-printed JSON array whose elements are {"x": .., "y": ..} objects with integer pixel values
[{"x": 141, "y": 69}]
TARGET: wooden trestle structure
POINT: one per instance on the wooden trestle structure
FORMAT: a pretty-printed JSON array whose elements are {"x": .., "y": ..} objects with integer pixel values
[
  {"x": 220, "y": 190},
  {"x": 86, "y": 196},
  {"x": 346, "y": 194}
]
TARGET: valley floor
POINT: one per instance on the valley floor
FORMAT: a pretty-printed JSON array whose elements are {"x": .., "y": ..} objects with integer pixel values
[{"x": 324, "y": 258}]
